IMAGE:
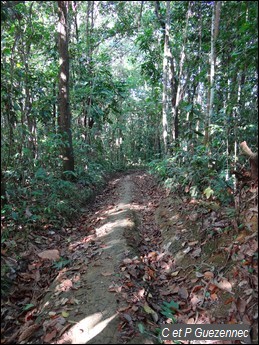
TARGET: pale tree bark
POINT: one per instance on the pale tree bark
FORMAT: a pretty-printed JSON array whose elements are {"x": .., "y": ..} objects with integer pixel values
[
  {"x": 166, "y": 63},
  {"x": 177, "y": 87},
  {"x": 88, "y": 119},
  {"x": 64, "y": 108},
  {"x": 213, "y": 55}
]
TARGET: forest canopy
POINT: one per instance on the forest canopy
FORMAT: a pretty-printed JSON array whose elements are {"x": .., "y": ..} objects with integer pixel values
[{"x": 98, "y": 86}]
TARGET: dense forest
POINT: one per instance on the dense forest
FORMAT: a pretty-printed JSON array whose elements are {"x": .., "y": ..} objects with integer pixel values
[{"x": 93, "y": 88}]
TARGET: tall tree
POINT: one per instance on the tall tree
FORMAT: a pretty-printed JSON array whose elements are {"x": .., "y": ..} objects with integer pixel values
[
  {"x": 166, "y": 64},
  {"x": 214, "y": 35},
  {"x": 64, "y": 108}
]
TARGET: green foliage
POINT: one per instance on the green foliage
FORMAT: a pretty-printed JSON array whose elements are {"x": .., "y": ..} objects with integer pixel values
[
  {"x": 169, "y": 309},
  {"x": 61, "y": 263},
  {"x": 47, "y": 198},
  {"x": 116, "y": 66},
  {"x": 198, "y": 174}
]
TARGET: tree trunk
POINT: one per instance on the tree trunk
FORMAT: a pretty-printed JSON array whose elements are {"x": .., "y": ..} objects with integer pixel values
[
  {"x": 64, "y": 109},
  {"x": 253, "y": 158},
  {"x": 214, "y": 34},
  {"x": 166, "y": 62}
]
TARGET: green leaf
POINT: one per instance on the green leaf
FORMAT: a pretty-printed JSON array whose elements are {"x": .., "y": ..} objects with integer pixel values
[
  {"x": 141, "y": 328},
  {"x": 28, "y": 306},
  {"x": 208, "y": 192},
  {"x": 169, "y": 315},
  {"x": 15, "y": 215},
  {"x": 171, "y": 304},
  {"x": 188, "y": 107}
]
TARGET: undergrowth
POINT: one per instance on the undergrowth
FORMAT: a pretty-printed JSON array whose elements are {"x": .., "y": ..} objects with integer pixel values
[{"x": 196, "y": 175}]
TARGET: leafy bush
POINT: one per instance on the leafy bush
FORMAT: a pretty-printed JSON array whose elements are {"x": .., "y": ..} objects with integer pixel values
[
  {"x": 198, "y": 174},
  {"x": 44, "y": 197}
]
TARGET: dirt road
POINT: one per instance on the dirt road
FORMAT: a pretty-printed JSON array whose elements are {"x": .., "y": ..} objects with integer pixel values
[{"x": 96, "y": 317}]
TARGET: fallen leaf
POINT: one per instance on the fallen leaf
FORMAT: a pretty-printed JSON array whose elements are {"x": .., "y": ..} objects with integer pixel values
[
  {"x": 127, "y": 317},
  {"x": 49, "y": 336},
  {"x": 183, "y": 293},
  {"x": 187, "y": 250},
  {"x": 65, "y": 313},
  {"x": 51, "y": 254},
  {"x": 224, "y": 284},
  {"x": 192, "y": 243},
  {"x": 214, "y": 297},
  {"x": 114, "y": 288},
  {"x": 212, "y": 288},
  {"x": 106, "y": 274},
  {"x": 241, "y": 305},
  {"x": 154, "y": 316},
  {"x": 195, "y": 300},
  {"x": 52, "y": 313},
  {"x": 229, "y": 300},
  {"x": 246, "y": 320},
  {"x": 147, "y": 309},
  {"x": 197, "y": 288},
  {"x": 28, "y": 332},
  {"x": 123, "y": 309},
  {"x": 174, "y": 274},
  {"x": 127, "y": 261},
  {"x": 196, "y": 253},
  {"x": 208, "y": 275}
]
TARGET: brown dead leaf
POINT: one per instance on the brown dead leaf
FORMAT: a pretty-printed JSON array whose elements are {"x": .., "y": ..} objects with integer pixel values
[
  {"x": 49, "y": 336},
  {"x": 173, "y": 289},
  {"x": 106, "y": 274},
  {"x": 196, "y": 253},
  {"x": 183, "y": 293},
  {"x": 127, "y": 261},
  {"x": 224, "y": 284},
  {"x": 66, "y": 285},
  {"x": 195, "y": 300},
  {"x": 197, "y": 288},
  {"x": 123, "y": 308},
  {"x": 51, "y": 254},
  {"x": 174, "y": 274},
  {"x": 214, "y": 297},
  {"x": 208, "y": 275},
  {"x": 241, "y": 305},
  {"x": 114, "y": 288},
  {"x": 212, "y": 288},
  {"x": 246, "y": 320},
  {"x": 28, "y": 332},
  {"x": 192, "y": 243},
  {"x": 229, "y": 300}
]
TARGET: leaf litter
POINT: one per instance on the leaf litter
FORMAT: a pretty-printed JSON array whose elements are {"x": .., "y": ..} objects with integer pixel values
[{"x": 207, "y": 274}]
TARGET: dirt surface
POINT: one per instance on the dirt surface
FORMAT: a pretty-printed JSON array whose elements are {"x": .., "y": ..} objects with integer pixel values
[
  {"x": 139, "y": 257},
  {"x": 96, "y": 319}
]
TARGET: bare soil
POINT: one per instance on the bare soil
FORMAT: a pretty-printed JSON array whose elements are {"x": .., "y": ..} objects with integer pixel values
[{"x": 95, "y": 318}]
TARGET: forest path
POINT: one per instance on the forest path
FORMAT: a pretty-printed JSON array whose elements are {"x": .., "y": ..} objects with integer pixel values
[{"x": 115, "y": 216}]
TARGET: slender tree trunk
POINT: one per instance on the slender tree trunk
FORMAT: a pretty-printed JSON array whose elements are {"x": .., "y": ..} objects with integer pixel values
[
  {"x": 253, "y": 158},
  {"x": 180, "y": 87},
  {"x": 140, "y": 14},
  {"x": 214, "y": 34},
  {"x": 64, "y": 108},
  {"x": 166, "y": 62}
]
